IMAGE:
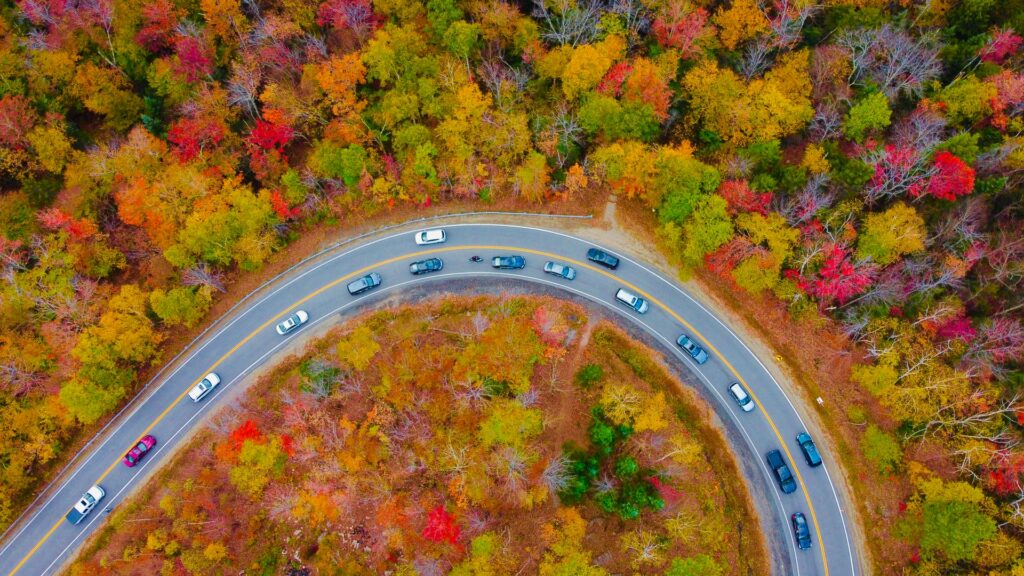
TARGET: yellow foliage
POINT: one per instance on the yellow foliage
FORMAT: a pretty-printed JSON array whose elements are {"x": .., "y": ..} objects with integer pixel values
[
  {"x": 215, "y": 552},
  {"x": 52, "y": 147},
  {"x": 741, "y": 21},
  {"x": 790, "y": 75},
  {"x": 686, "y": 450},
  {"x": 815, "y": 159},
  {"x": 552, "y": 64},
  {"x": 589, "y": 63},
  {"x": 359, "y": 348},
  {"x": 767, "y": 109}
]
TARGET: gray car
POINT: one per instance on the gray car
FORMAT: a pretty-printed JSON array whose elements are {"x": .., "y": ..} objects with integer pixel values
[
  {"x": 560, "y": 270},
  {"x": 371, "y": 280},
  {"x": 692, "y": 348},
  {"x": 424, "y": 266}
]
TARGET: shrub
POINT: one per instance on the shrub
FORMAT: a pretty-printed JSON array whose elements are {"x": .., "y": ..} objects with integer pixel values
[
  {"x": 882, "y": 450},
  {"x": 588, "y": 375}
]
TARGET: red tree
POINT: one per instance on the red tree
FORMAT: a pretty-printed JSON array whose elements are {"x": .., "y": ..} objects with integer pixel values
[
  {"x": 1004, "y": 43},
  {"x": 441, "y": 526},
  {"x": 280, "y": 206},
  {"x": 57, "y": 219},
  {"x": 683, "y": 31},
  {"x": 249, "y": 430},
  {"x": 742, "y": 199},
  {"x": 193, "y": 135},
  {"x": 838, "y": 279},
  {"x": 159, "y": 19},
  {"x": 611, "y": 84},
  {"x": 270, "y": 136},
  {"x": 16, "y": 118},
  {"x": 355, "y": 15},
  {"x": 957, "y": 327},
  {"x": 193, "y": 60},
  {"x": 952, "y": 178}
]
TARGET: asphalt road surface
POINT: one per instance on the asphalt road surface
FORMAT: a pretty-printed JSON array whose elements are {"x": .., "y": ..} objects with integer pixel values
[{"x": 44, "y": 541}]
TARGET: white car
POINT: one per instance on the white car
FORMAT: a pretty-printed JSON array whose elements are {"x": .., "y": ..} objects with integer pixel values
[
  {"x": 199, "y": 391},
  {"x": 85, "y": 504},
  {"x": 435, "y": 236},
  {"x": 632, "y": 300},
  {"x": 292, "y": 322},
  {"x": 741, "y": 397}
]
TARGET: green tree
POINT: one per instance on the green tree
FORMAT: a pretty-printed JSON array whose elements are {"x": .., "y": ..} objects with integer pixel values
[
  {"x": 954, "y": 529},
  {"x": 869, "y": 113},
  {"x": 88, "y": 401},
  {"x": 331, "y": 161},
  {"x": 462, "y": 38},
  {"x": 708, "y": 228},
  {"x": 183, "y": 305}
]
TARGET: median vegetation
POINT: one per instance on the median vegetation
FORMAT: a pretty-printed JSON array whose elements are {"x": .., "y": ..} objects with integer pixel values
[{"x": 462, "y": 436}]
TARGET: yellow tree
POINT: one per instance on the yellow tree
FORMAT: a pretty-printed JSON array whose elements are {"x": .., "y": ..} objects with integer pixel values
[
  {"x": 589, "y": 63},
  {"x": 742, "y": 21}
]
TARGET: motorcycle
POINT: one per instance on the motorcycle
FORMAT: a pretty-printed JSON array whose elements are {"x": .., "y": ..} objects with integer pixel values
[{"x": 475, "y": 259}]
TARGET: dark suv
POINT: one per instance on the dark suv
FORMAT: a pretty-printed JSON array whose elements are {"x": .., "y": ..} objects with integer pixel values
[
  {"x": 603, "y": 258},
  {"x": 371, "y": 280},
  {"x": 809, "y": 449},
  {"x": 781, "y": 471},
  {"x": 801, "y": 531}
]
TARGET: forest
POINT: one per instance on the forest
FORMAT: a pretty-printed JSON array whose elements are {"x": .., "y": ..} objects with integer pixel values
[
  {"x": 466, "y": 436},
  {"x": 857, "y": 160}
]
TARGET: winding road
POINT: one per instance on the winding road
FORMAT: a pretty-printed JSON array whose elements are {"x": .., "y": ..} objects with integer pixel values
[{"x": 43, "y": 542}]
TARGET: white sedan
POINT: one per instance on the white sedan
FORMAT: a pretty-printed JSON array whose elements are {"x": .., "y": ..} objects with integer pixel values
[
  {"x": 292, "y": 322},
  {"x": 435, "y": 236}
]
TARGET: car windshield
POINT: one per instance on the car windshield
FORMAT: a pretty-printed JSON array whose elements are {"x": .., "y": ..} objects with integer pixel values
[{"x": 141, "y": 446}]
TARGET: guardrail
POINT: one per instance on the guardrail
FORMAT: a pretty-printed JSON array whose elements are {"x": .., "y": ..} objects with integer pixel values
[{"x": 140, "y": 395}]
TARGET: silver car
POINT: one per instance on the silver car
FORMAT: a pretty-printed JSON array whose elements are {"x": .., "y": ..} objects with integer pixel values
[
  {"x": 560, "y": 270},
  {"x": 292, "y": 322}
]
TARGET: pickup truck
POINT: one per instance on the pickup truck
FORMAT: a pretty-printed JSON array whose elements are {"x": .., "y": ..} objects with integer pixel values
[{"x": 85, "y": 504}]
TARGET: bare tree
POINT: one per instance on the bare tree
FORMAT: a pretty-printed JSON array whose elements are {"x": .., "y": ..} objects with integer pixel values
[
  {"x": 568, "y": 22},
  {"x": 203, "y": 275},
  {"x": 892, "y": 59}
]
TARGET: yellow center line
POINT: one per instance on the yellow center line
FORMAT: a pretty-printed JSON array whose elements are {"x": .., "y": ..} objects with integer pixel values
[{"x": 420, "y": 254}]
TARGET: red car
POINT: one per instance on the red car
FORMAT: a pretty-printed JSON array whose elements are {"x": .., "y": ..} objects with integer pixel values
[{"x": 139, "y": 450}]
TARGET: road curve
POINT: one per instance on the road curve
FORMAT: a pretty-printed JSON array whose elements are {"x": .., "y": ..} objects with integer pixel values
[{"x": 44, "y": 540}]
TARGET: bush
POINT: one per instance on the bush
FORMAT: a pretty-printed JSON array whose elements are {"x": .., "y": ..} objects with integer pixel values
[
  {"x": 588, "y": 375},
  {"x": 882, "y": 450}
]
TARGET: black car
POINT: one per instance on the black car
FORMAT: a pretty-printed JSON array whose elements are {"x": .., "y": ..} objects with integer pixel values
[
  {"x": 809, "y": 449},
  {"x": 603, "y": 258},
  {"x": 424, "y": 266},
  {"x": 801, "y": 531},
  {"x": 509, "y": 262},
  {"x": 781, "y": 471},
  {"x": 363, "y": 284}
]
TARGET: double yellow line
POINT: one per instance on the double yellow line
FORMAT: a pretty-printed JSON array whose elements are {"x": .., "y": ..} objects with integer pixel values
[{"x": 420, "y": 254}]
